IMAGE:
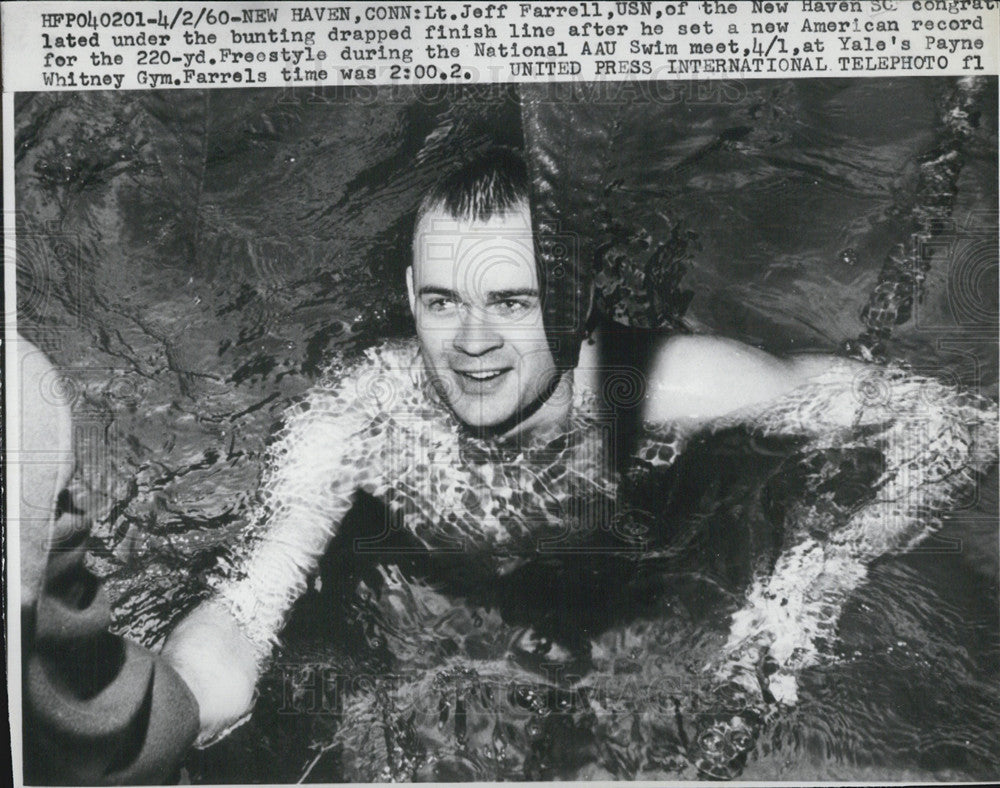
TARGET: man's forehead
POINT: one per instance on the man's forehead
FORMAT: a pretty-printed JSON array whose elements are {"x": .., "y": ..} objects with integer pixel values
[
  {"x": 475, "y": 254},
  {"x": 480, "y": 267}
]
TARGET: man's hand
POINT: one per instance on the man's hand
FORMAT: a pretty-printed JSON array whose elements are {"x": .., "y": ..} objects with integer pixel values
[{"x": 219, "y": 665}]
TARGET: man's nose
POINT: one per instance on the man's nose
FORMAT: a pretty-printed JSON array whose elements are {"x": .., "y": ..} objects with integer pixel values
[{"x": 476, "y": 334}]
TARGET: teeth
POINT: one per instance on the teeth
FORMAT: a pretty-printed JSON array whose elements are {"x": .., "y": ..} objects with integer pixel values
[{"x": 481, "y": 375}]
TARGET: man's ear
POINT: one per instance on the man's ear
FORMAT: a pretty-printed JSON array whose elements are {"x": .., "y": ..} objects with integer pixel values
[{"x": 409, "y": 288}]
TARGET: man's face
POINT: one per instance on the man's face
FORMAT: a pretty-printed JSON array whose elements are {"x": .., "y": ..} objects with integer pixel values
[{"x": 474, "y": 295}]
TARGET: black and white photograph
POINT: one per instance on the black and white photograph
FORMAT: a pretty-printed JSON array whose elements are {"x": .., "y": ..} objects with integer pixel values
[{"x": 563, "y": 430}]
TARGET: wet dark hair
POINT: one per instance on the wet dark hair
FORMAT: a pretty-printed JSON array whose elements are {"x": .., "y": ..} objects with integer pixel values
[{"x": 492, "y": 182}]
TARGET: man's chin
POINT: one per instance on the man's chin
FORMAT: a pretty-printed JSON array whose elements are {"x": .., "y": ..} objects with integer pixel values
[
  {"x": 482, "y": 419},
  {"x": 496, "y": 416}
]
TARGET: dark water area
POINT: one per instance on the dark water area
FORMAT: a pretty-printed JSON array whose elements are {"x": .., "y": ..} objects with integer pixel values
[{"x": 192, "y": 260}]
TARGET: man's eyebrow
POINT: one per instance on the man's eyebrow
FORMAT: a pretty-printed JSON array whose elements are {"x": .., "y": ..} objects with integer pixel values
[
  {"x": 441, "y": 291},
  {"x": 493, "y": 295},
  {"x": 502, "y": 295}
]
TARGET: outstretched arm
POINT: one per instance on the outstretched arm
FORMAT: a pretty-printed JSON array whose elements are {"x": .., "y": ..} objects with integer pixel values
[
  {"x": 312, "y": 469},
  {"x": 933, "y": 437},
  {"x": 934, "y": 440}
]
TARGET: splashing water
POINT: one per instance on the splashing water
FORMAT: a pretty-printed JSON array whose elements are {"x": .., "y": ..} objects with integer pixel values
[{"x": 482, "y": 518}]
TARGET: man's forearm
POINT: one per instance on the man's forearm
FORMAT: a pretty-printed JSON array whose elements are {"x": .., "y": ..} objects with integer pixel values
[{"x": 221, "y": 648}]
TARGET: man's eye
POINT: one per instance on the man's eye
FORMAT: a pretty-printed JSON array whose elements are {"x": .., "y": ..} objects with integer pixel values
[
  {"x": 440, "y": 305},
  {"x": 511, "y": 306}
]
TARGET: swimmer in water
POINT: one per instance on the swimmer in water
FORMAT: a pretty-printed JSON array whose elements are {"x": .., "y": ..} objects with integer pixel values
[{"x": 462, "y": 435}]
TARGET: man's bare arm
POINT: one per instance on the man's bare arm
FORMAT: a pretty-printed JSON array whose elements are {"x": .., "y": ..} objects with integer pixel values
[
  {"x": 934, "y": 439},
  {"x": 696, "y": 379},
  {"x": 221, "y": 647}
]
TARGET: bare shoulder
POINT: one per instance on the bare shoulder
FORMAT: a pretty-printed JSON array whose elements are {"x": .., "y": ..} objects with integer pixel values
[{"x": 698, "y": 378}]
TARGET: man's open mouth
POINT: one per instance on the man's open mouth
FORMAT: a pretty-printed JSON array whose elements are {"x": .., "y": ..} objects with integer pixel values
[
  {"x": 482, "y": 375},
  {"x": 480, "y": 382}
]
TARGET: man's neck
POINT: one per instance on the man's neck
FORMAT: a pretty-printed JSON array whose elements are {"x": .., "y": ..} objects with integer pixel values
[{"x": 550, "y": 418}]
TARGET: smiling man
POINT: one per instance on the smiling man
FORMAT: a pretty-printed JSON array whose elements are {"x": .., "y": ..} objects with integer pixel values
[
  {"x": 489, "y": 431},
  {"x": 475, "y": 295}
]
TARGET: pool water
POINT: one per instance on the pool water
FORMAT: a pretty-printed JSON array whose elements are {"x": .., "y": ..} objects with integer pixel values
[{"x": 193, "y": 260}]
